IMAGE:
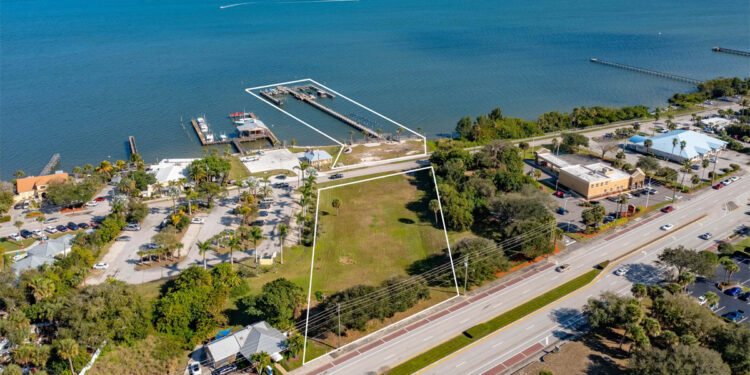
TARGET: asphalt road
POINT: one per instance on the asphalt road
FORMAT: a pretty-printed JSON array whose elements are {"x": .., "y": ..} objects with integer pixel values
[{"x": 557, "y": 320}]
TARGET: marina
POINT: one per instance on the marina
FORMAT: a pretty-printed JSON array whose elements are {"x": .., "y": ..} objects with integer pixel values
[
  {"x": 249, "y": 129},
  {"x": 308, "y": 94}
]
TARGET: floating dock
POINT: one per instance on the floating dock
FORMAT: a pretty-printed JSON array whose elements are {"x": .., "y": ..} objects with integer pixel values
[
  {"x": 133, "y": 148},
  {"x": 302, "y": 93},
  {"x": 646, "y": 71},
  {"x": 732, "y": 51},
  {"x": 51, "y": 164}
]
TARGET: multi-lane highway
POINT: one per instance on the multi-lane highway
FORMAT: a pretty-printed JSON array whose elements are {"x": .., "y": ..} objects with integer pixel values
[{"x": 556, "y": 320}]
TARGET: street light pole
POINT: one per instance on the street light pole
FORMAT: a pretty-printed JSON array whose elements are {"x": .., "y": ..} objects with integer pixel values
[
  {"x": 338, "y": 311},
  {"x": 648, "y": 194},
  {"x": 466, "y": 272}
]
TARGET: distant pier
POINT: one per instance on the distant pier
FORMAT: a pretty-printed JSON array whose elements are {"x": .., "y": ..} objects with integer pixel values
[
  {"x": 133, "y": 148},
  {"x": 732, "y": 51},
  {"x": 646, "y": 71},
  {"x": 303, "y": 93},
  {"x": 51, "y": 164}
]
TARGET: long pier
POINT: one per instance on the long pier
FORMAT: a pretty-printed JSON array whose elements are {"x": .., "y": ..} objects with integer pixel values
[
  {"x": 297, "y": 93},
  {"x": 51, "y": 164},
  {"x": 646, "y": 71},
  {"x": 133, "y": 148},
  {"x": 732, "y": 51}
]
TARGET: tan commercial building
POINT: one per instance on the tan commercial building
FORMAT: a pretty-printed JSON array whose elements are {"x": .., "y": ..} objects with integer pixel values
[
  {"x": 599, "y": 180},
  {"x": 34, "y": 186}
]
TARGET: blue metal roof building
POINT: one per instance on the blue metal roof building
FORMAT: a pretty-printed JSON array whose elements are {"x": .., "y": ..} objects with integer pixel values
[{"x": 697, "y": 145}]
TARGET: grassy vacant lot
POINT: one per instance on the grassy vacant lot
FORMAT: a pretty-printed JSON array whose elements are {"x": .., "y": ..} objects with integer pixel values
[
  {"x": 383, "y": 151},
  {"x": 381, "y": 228},
  {"x": 238, "y": 172},
  {"x": 152, "y": 355}
]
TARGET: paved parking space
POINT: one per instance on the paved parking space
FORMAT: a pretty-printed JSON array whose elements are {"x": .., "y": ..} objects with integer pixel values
[
  {"x": 726, "y": 303},
  {"x": 272, "y": 160}
]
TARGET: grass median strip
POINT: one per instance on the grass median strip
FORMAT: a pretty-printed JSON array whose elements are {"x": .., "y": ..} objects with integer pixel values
[{"x": 480, "y": 330}]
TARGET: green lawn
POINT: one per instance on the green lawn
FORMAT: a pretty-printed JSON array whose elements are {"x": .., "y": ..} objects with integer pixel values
[
  {"x": 381, "y": 228},
  {"x": 743, "y": 245},
  {"x": 238, "y": 172}
]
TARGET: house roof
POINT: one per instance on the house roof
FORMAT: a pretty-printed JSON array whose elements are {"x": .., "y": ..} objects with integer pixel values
[
  {"x": 263, "y": 338},
  {"x": 696, "y": 144},
  {"x": 170, "y": 169},
  {"x": 31, "y": 262},
  {"x": 30, "y": 183},
  {"x": 595, "y": 172},
  {"x": 317, "y": 155},
  {"x": 52, "y": 247},
  {"x": 259, "y": 337},
  {"x": 251, "y": 124}
]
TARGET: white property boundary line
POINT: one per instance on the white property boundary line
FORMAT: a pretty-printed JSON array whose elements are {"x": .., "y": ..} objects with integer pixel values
[
  {"x": 333, "y": 165},
  {"x": 315, "y": 238}
]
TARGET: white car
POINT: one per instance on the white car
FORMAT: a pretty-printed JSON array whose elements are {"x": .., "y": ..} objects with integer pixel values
[
  {"x": 92, "y": 204},
  {"x": 727, "y": 181},
  {"x": 37, "y": 232},
  {"x": 195, "y": 368},
  {"x": 667, "y": 227},
  {"x": 198, "y": 220},
  {"x": 734, "y": 178},
  {"x": 15, "y": 237},
  {"x": 50, "y": 229},
  {"x": 622, "y": 271},
  {"x": 706, "y": 236},
  {"x": 18, "y": 257},
  {"x": 702, "y": 300},
  {"x": 101, "y": 266},
  {"x": 132, "y": 227}
]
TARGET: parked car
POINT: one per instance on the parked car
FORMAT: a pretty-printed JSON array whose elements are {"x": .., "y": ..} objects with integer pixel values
[
  {"x": 562, "y": 211},
  {"x": 667, "y": 227},
  {"x": 264, "y": 206},
  {"x": 100, "y": 199},
  {"x": 123, "y": 238},
  {"x": 667, "y": 209},
  {"x": 727, "y": 181},
  {"x": 225, "y": 370},
  {"x": 83, "y": 226},
  {"x": 702, "y": 300},
  {"x": 15, "y": 237},
  {"x": 622, "y": 271},
  {"x": 718, "y": 186},
  {"x": 563, "y": 267},
  {"x": 51, "y": 220},
  {"x": 92, "y": 204},
  {"x": 151, "y": 246},
  {"x": 609, "y": 219},
  {"x": 26, "y": 233},
  {"x": 72, "y": 226},
  {"x": 744, "y": 296},
  {"x": 706, "y": 236},
  {"x": 50, "y": 229},
  {"x": 194, "y": 368},
  {"x": 263, "y": 213},
  {"x": 198, "y": 220},
  {"x": 734, "y": 178},
  {"x": 734, "y": 316},
  {"x": 61, "y": 228},
  {"x": 695, "y": 167},
  {"x": 281, "y": 177},
  {"x": 336, "y": 176},
  {"x": 18, "y": 257},
  {"x": 101, "y": 266},
  {"x": 132, "y": 227},
  {"x": 258, "y": 222},
  {"x": 733, "y": 291},
  {"x": 37, "y": 232}
]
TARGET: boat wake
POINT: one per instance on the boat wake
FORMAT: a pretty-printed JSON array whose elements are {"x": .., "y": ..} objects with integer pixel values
[{"x": 290, "y": 2}]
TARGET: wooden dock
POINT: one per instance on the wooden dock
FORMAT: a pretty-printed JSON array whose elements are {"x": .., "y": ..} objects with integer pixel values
[
  {"x": 732, "y": 51},
  {"x": 646, "y": 71},
  {"x": 133, "y": 148},
  {"x": 235, "y": 141},
  {"x": 299, "y": 94},
  {"x": 51, "y": 164}
]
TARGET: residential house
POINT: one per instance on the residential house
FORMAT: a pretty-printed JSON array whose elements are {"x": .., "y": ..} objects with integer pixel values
[
  {"x": 44, "y": 253},
  {"x": 34, "y": 186},
  {"x": 317, "y": 158},
  {"x": 256, "y": 338}
]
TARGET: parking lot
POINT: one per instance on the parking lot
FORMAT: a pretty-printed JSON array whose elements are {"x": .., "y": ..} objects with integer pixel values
[{"x": 726, "y": 303}]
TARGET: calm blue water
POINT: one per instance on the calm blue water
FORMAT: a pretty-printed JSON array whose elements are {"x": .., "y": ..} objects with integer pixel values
[{"x": 79, "y": 77}]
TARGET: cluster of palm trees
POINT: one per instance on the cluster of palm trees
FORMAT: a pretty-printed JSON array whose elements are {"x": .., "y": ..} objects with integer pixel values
[
  {"x": 167, "y": 243},
  {"x": 308, "y": 191},
  {"x": 106, "y": 168}
]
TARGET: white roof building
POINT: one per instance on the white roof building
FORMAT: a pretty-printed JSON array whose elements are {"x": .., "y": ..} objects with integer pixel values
[
  {"x": 595, "y": 172},
  {"x": 170, "y": 170},
  {"x": 44, "y": 253}
]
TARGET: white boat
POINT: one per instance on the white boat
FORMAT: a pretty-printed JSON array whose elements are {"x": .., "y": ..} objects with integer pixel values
[
  {"x": 201, "y": 120},
  {"x": 223, "y": 137},
  {"x": 209, "y": 137},
  {"x": 204, "y": 128}
]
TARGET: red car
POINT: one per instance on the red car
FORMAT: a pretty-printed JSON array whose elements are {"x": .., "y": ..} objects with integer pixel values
[
  {"x": 100, "y": 199},
  {"x": 667, "y": 209},
  {"x": 719, "y": 186}
]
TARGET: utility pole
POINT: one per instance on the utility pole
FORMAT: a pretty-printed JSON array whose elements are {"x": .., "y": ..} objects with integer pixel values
[
  {"x": 466, "y": 272},
  {"x": 648, "y": 194},
  {"x": 716, "y": 161},
  {"x": 338, "y": 311}
]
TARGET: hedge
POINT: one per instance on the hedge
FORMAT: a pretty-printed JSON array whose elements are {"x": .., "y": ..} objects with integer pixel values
[
  {"x": 483, "y": 329},
  {"x": 4, "y": 219}
]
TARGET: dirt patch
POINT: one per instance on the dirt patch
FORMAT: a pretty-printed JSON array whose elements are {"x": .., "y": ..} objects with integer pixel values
[
  {"x": 158, "y": 263},
  {"x": 346, "y": 260},
  {"x": 593, "y": 354}
]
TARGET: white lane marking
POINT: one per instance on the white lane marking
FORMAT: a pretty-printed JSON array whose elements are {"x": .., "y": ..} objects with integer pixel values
[
  {"x": 389, "y": 357},
  {"x": 427, "y": 338},
  {"x": 525, "y": 291},
  {"x": 498, "y": 344},
  {"x": 530, "y": 327},
  {"x": 463, "y": 321},
  {"x": 461, "y": 364}
]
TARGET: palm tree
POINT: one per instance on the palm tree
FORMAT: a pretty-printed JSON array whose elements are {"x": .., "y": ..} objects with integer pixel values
[
  {"x": 244, "y": 211},
  {"x": 18, "y": 224},
  {"x": 19, "y": 173},
  {"x": 336, "y": 203},
  {"x": 189, "y": 196},
  {"x": 77, "y": 171},
  {"x": 622, "y": 200},
  {"x": 105, "y": 167},
  {"x": 711, "y": 298},
  {"x": 40, "y": 219},
  {"x": 537, "y": 174},
  {"x": 295, "y": 342},
  {"x": 639, "y": 290},
  {"x": 523, "y": 146},
  {"x": 283, "y": 229},
  {"x": 300, "y": 224},
  {"x": 695, "y": 180},
  {"x": 648, "y": 143},
  {"x": 120, "y": 164},
  {"x": 260, "y": 361},
  {"x": 730, "y": 267},
  {"x": 178, "y": 246},
  {"x": 233, "y": 244},
  {"x": 398, "y": 132},
  {"x": 68, "y": 349},
  {"x": 704, "y": 163},
  {"x": 256, "y": 234},
  {"x": 674, "y": 144},
  {"x": 23, "y": 354},
  {"x": 88, "y": 168},
  {"x": 685, "y": 279},
  {"x": 42, "y": 288},
  {"x": 266, "y": 180},
  {"x": 434, "y": 206}
]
